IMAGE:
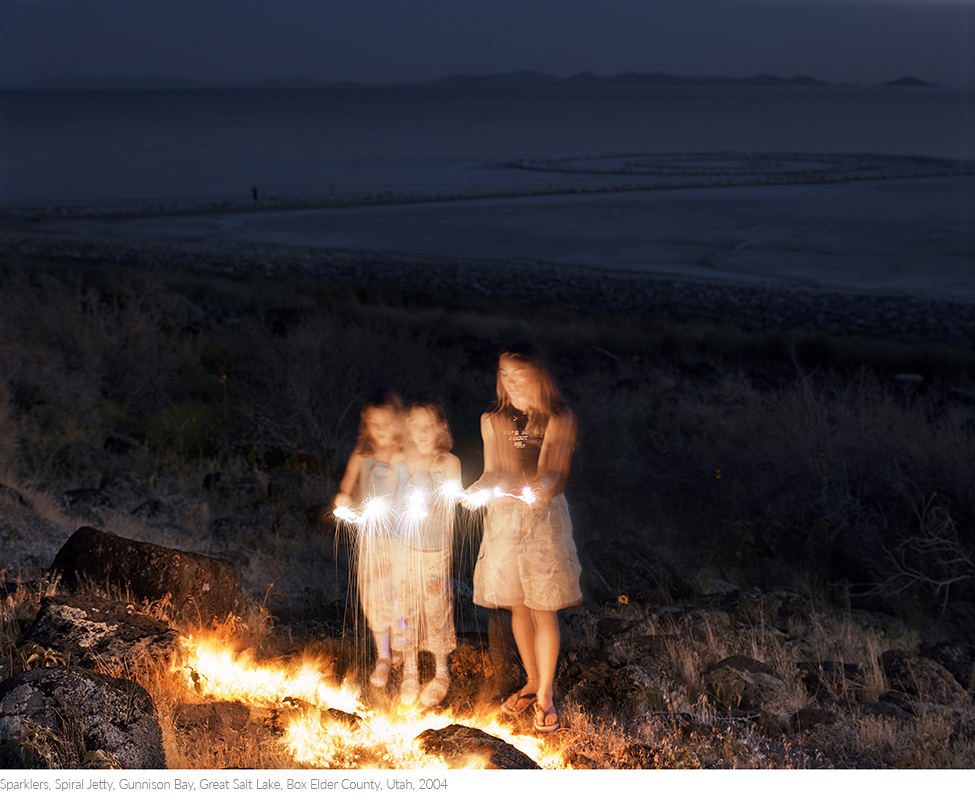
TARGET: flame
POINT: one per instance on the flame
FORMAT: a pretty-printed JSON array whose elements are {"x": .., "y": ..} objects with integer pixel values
[{"x": 316, "y": 736}]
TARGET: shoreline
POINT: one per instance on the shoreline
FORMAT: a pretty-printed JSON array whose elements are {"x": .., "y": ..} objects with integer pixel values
[{"x": 756, "y": 306}]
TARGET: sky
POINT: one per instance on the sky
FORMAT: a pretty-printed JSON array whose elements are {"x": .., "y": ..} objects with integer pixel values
[{"x": 388, "y": 41}]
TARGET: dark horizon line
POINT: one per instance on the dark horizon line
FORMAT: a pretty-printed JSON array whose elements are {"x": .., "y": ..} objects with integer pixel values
[{"x": 518, "y": 78}]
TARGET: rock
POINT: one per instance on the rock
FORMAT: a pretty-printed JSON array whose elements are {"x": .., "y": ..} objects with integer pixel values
[
  {"x": 747, "y": 684},
  {"x": 219, "y": 725},
  {"x": 832, "y": 678},
  {"x": 636, "y": 693},
  {"x": 98, "y": 633},
  {"x": 13, "y": 498},
  {"x": 127, "y": 490},
  {"x": 808, "y": 718},
  {"x": 957, "y": 657},
  {"x": 199, "y": 587},
  {"x": 881, "y": 709},
  {"x": 750, "y": 606},
  {"x": 461, "y": 746},
  {"x": 91, "y": 504},
  {"x": 914, "y": 674},
  {"x": 59, "y": 718}
]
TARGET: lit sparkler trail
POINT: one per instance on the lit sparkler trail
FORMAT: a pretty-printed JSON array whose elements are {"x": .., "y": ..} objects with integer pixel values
[
  {"x": 483, "y": 496},
  {"x": 416, "y": 506},
  {"x": 375, "y": 511}
]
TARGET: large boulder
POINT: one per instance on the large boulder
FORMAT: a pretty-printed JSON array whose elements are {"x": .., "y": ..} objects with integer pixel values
[
  {"x": 913, "y": 674},
  {"x": 198, "y": 587},
  {"x": 747, "y": 684},
  {"x": 65, "y": 718},
  {"x": 100, "y": 634},
  {"x": 958, "y": 657},
  {"x": 461, "y": 746}
]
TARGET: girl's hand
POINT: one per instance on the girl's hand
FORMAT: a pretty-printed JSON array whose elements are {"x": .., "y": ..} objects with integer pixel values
[
  {"x": 476, "y": 496},
  {"x": 342, "y": 500},
  {"x": 542, "y": 489}
]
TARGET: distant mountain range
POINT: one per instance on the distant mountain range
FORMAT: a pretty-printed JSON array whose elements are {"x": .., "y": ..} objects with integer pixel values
[{"x": 522, "y": 78}]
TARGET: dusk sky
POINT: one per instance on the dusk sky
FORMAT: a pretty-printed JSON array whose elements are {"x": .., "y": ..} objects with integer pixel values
[{"x": 384, "y": 41}]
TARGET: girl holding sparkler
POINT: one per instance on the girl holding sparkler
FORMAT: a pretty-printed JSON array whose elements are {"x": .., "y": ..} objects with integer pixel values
[
  {"x": 374, "y": 478},
  {"x": 528, "y": 559},
  {"x": 423, "y": 588}
]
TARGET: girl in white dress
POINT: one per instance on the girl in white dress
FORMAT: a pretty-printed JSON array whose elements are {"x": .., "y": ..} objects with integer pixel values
[
  {"x": 424, "y": 554},
  {"x": 374, "y": 480},
  {"x": 528, "y": 559}
]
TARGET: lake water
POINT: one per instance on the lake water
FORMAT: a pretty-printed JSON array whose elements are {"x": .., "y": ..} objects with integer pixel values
[
  {"x": 78, "y": 147},
  {"x": 818, "y": 187}
]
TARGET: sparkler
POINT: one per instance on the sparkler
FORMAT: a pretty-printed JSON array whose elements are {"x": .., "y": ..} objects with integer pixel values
[
  {"x": 374, "y": 511},
  {"x": 416, "y": 506},
  {"x": 483, "y": 496}
]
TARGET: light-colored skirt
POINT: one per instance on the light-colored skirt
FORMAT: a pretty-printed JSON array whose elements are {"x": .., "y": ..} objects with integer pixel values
[
  {"x": 527, "y": 557},
  {"x": 376, "y": 578},
  {"x": 424, "y": 599}
]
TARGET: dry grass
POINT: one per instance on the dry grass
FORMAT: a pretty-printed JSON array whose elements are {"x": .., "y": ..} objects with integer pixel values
[{"x": 749, "y": 456}]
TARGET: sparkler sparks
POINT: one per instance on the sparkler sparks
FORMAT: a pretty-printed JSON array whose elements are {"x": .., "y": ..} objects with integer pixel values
[
  {"x": 482, "y": 497},
  {"x": 416, "y": 506},
  {"x": 378, "y": 514}
]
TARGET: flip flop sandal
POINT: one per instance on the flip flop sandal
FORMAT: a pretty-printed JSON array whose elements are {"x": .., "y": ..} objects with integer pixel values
[
  {"x": 517, "y": 704},
  {"x": 541, "y": 716}
]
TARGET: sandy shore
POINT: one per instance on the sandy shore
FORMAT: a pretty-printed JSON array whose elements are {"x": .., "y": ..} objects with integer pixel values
[{"x": 891, "y": 257}]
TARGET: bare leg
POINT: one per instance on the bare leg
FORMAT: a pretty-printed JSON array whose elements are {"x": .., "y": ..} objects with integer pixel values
[
  {"x": 547, "y": 643},
  {"x": 380, "y": 674},
  {"x": 523, "y": 628},
  {"x": 410, "y": 687}
]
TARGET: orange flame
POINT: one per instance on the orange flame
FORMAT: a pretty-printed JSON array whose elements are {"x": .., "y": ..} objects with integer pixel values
[{"x": 313, "y": 736}]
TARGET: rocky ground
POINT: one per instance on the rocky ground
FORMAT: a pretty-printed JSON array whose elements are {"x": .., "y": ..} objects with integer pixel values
[
  {"x": 894, "y": 315},
  {"x": 654, "y": 672}
]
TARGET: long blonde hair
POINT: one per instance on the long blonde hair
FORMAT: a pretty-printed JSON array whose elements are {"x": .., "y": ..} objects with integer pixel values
[
  {"x": 382, "y": 398},
  {"x": 445, "y": 440},
  {"x": 547, "y": 400}
]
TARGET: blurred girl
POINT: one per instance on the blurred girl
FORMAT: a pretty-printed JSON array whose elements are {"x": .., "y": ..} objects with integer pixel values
[
  {"x": 423, "y": 588},
  {"x": 528, "y": 560},
  {"x": 374, "y": 480}
]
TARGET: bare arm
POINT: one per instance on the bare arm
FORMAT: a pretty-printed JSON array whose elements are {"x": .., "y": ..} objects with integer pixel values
[
  {"x": 492, "y": 461},
  {"x": 555, "y": 459},
  {"x": 452, "y": 468},
  {"x": 348, "y": 485}
]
